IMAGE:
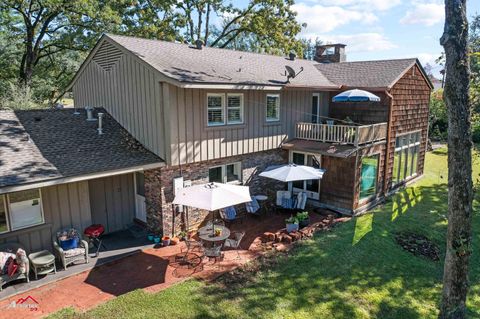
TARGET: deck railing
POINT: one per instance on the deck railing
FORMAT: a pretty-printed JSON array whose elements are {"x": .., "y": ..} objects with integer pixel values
[{"x": 346, "y": 134}]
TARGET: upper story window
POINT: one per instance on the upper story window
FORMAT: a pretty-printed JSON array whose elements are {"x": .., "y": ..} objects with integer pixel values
[
  {"x": 215, "y": 109},
  {"x": 234, "y": 108},
  {"x": 20, "y": 210},
  {"x": 273, "y": 107},
  {"x": 221, "y": 113}
]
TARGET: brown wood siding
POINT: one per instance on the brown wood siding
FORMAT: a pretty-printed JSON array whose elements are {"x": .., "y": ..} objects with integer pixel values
[
  {"x": 361, "y": 112},
  {"x": 338, "y": 182},
  {"x": 377, "y": 149},
  {"x": 191, "y": 140},
  {"x": 410, "y": 113},
  {"x": 66, "y": 205},
  {"x": 129, "y": 91},
  {"x": 112, "y": 201}
]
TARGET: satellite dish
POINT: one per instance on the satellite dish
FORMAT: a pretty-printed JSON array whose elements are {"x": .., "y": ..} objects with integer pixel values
[{"x": 290, "y": 73}]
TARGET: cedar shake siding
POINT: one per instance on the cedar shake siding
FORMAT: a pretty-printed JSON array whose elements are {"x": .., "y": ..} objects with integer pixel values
[{"x": 411, "y": 100}]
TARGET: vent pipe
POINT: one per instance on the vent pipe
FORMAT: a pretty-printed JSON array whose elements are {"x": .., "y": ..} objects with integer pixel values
[
  {"x": 89, "y": 110},
  {"x": 199, "y": 44},
  {"x": 100, "y": 124},
  {"x": 292, "y": 55}
]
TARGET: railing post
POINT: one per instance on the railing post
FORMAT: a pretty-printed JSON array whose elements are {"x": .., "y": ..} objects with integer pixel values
[{"x": 357, "y": 135}]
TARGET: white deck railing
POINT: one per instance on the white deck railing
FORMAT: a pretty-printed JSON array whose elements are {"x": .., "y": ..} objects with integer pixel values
[{"x": 347, "y": 134}]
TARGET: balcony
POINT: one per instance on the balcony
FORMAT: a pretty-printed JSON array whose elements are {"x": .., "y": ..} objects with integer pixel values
[{"x": 343, "y": 134}]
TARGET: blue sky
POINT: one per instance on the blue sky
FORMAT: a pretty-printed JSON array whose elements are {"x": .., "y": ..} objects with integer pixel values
[{"x": 379, "y": 29}]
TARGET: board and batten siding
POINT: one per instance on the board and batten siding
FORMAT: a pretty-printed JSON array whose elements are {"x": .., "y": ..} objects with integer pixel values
[
  {"x": 64, "y": 206},
  {"x": 129, "y": 90},
  {"x": 192, "y": 140}
]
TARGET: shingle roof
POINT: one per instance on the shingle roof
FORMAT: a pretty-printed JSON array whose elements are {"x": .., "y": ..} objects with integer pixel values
[
  {"x": 221, "y": 66},
  {"x": 39, "y": 145},
  {"x": 366, "y": 74}
]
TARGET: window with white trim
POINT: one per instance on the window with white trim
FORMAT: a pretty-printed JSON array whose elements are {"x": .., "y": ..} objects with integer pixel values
[
  {"x": 273, "y": 108},
  {"x": 234, "y": 108},
  {"x": 229, "y": 173},
  {"x": 405, "y": 161},
  {"x": 215, "y": 109},
  {"x": 20, "y": 210}
]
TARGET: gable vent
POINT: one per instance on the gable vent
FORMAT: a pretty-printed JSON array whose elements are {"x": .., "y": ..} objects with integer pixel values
[{"x": 106, "y": 56}]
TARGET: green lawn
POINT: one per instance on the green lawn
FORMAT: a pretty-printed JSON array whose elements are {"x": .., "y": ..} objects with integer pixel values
[{"x": 354, "y": 271}]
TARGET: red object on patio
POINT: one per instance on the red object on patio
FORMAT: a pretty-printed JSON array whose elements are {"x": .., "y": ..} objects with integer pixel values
[{"x": 93, "y": 232}]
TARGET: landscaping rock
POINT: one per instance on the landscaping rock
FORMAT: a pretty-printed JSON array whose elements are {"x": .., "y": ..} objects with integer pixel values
[
  {"x": 268, "y": 237},
  {"x": 287, "y": 239},
  {"x": 296, "y": 235}
]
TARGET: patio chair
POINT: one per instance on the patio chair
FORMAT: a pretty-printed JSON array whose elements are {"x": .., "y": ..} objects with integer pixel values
[
  {"x": 253, "y": 207},
  {"x": 70, "y": 256},
  {"x": 235, "y": 241},
  {"x": 301, "y": 201},
  {"x": 10, "y": 249},
  {"x": 214, "y": 252},
  {"x": 229, "y": 215}
]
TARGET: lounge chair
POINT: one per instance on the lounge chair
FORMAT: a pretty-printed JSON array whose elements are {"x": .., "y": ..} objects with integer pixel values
[
  {"x": 22, "y": 272},
  {"x": 253, "y": 207},
  {"x": 229, "y": 215}
]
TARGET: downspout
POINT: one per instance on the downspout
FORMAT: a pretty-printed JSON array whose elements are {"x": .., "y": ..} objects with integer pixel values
[{"x": 389, "y": 134}]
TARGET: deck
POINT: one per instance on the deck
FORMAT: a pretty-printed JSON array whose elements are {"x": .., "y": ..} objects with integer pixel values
[{"x": 343, "y": 134}]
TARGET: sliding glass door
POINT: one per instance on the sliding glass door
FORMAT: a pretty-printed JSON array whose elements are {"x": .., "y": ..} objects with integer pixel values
[{"x": 311, "y": 187}]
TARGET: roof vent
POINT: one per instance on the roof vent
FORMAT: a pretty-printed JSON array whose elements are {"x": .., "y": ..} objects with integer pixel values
[
  {"x": 89, "y": 110},
  {"x": 100, "y": 124},
  {"x": 292, "y": 55},
  {"x": 199, "y": 44}
]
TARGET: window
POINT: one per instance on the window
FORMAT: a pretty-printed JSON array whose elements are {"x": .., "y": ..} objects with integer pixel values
[
  {"x": 405, "y": 161},
  {"x": 215, "y": 106},
  {"x": 230, "y": 173},
  {"x": 25, "y": 209},
  {"x": 234, "y": 108},
  {"x": 368, "y": 177},
  {"x": 273, "y": 107},
  {"x": 3, "y": 215}
]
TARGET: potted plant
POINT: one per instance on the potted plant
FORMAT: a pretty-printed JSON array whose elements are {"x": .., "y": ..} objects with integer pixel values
[
  {"x": 166, "y": 241},
  {"x": 182, "y": 235},
  {"x": 303, "y": 219},
  {"x": 292, "y": 224},
  {"x": 150, "y": 236},
  {"x": 156, "y": 239}
]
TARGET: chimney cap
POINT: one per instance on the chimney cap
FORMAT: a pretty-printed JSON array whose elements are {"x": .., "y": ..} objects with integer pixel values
[{"x": 332, "y": 45}]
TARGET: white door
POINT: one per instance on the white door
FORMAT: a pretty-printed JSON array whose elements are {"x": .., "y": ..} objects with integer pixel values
[
  {"x": 312, "y": 186},
  {"x": 140, "y": 206}
]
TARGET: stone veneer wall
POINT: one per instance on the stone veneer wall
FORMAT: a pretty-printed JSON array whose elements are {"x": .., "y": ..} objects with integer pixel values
[{"x": 159, "y": 187}]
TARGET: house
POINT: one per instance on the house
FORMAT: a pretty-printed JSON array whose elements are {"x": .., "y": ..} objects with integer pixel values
[{"x": 177, "y": 114}]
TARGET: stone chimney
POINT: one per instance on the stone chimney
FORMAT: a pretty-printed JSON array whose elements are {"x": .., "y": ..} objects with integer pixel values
[{"x": 330, "y": 53}]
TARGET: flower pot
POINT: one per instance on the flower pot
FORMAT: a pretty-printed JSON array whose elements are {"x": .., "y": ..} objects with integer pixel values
[
  {"x": 304, "y": 223},
  {"x": 156, "y": 239},
  {"x": 150, "y": 237},
  {"x": 166, "y": 241},
  {"x": 292, "y": 228}
]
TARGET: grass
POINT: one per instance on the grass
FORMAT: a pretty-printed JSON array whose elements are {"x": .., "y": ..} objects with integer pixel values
[{"x": 354, "y": 271}]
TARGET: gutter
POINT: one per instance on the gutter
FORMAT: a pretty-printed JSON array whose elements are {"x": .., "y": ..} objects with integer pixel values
[{"x": 73, "y": 179}]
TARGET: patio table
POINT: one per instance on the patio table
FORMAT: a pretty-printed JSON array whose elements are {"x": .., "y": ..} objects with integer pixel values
[
  {"x": 206, "y": 233},
  {"x": 262, "y": 200},
  {"x": 43, "y": 262}
]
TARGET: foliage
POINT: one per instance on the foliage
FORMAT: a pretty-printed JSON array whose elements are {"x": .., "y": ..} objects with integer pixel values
[
  {"x": 17, "y": 97},
  {"x": 301, "y": 216},
  {"x": 309, "y": 48},
  {"x": 291, "y": 220},
  {"x": 438, "y": 121},
  {"x": 331, "y": 276}
]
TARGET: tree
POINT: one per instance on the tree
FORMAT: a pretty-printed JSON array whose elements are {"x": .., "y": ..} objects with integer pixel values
[
  {"x": 50, "y": 27},
  {"x": 460, "y": 193}
]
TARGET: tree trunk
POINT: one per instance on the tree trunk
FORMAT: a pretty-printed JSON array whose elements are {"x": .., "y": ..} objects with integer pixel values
[{"x": 460, "y": 193}]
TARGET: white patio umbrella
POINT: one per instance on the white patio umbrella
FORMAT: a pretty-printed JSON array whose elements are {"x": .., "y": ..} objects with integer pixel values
[
  {"x": 356, "y": 96},
  {"x": 292, "y": 172},
  {"x": 212, "y": 196}
]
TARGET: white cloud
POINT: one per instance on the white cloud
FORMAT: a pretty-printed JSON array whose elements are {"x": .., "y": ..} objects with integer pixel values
[
  {"x": 371, "y": 5},
  {"x": 360, "y": 42},
  {"x": 322, "y": 19},
  {"x": 426, "y": 14}
]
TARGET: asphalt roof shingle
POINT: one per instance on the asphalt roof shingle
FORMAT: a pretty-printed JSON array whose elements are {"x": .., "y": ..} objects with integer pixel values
[
  {"x": 40, "y": 145},
  {"x": 187, "y": 64},
  {"x": 366, "y": 74}
]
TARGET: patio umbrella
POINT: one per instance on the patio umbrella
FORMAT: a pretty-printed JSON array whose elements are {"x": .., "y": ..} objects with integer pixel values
[
  {"x": 355, "y": 96},
  {"x": 212, "y": 196},
  {"x": 292, "y": 172}
]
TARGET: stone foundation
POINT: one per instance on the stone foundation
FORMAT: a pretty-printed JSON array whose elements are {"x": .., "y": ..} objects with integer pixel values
[{"x": 159, "y": 188}]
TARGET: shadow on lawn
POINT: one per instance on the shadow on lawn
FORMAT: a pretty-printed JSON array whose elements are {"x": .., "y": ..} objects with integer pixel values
[{"x": 330, "y": 275}]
